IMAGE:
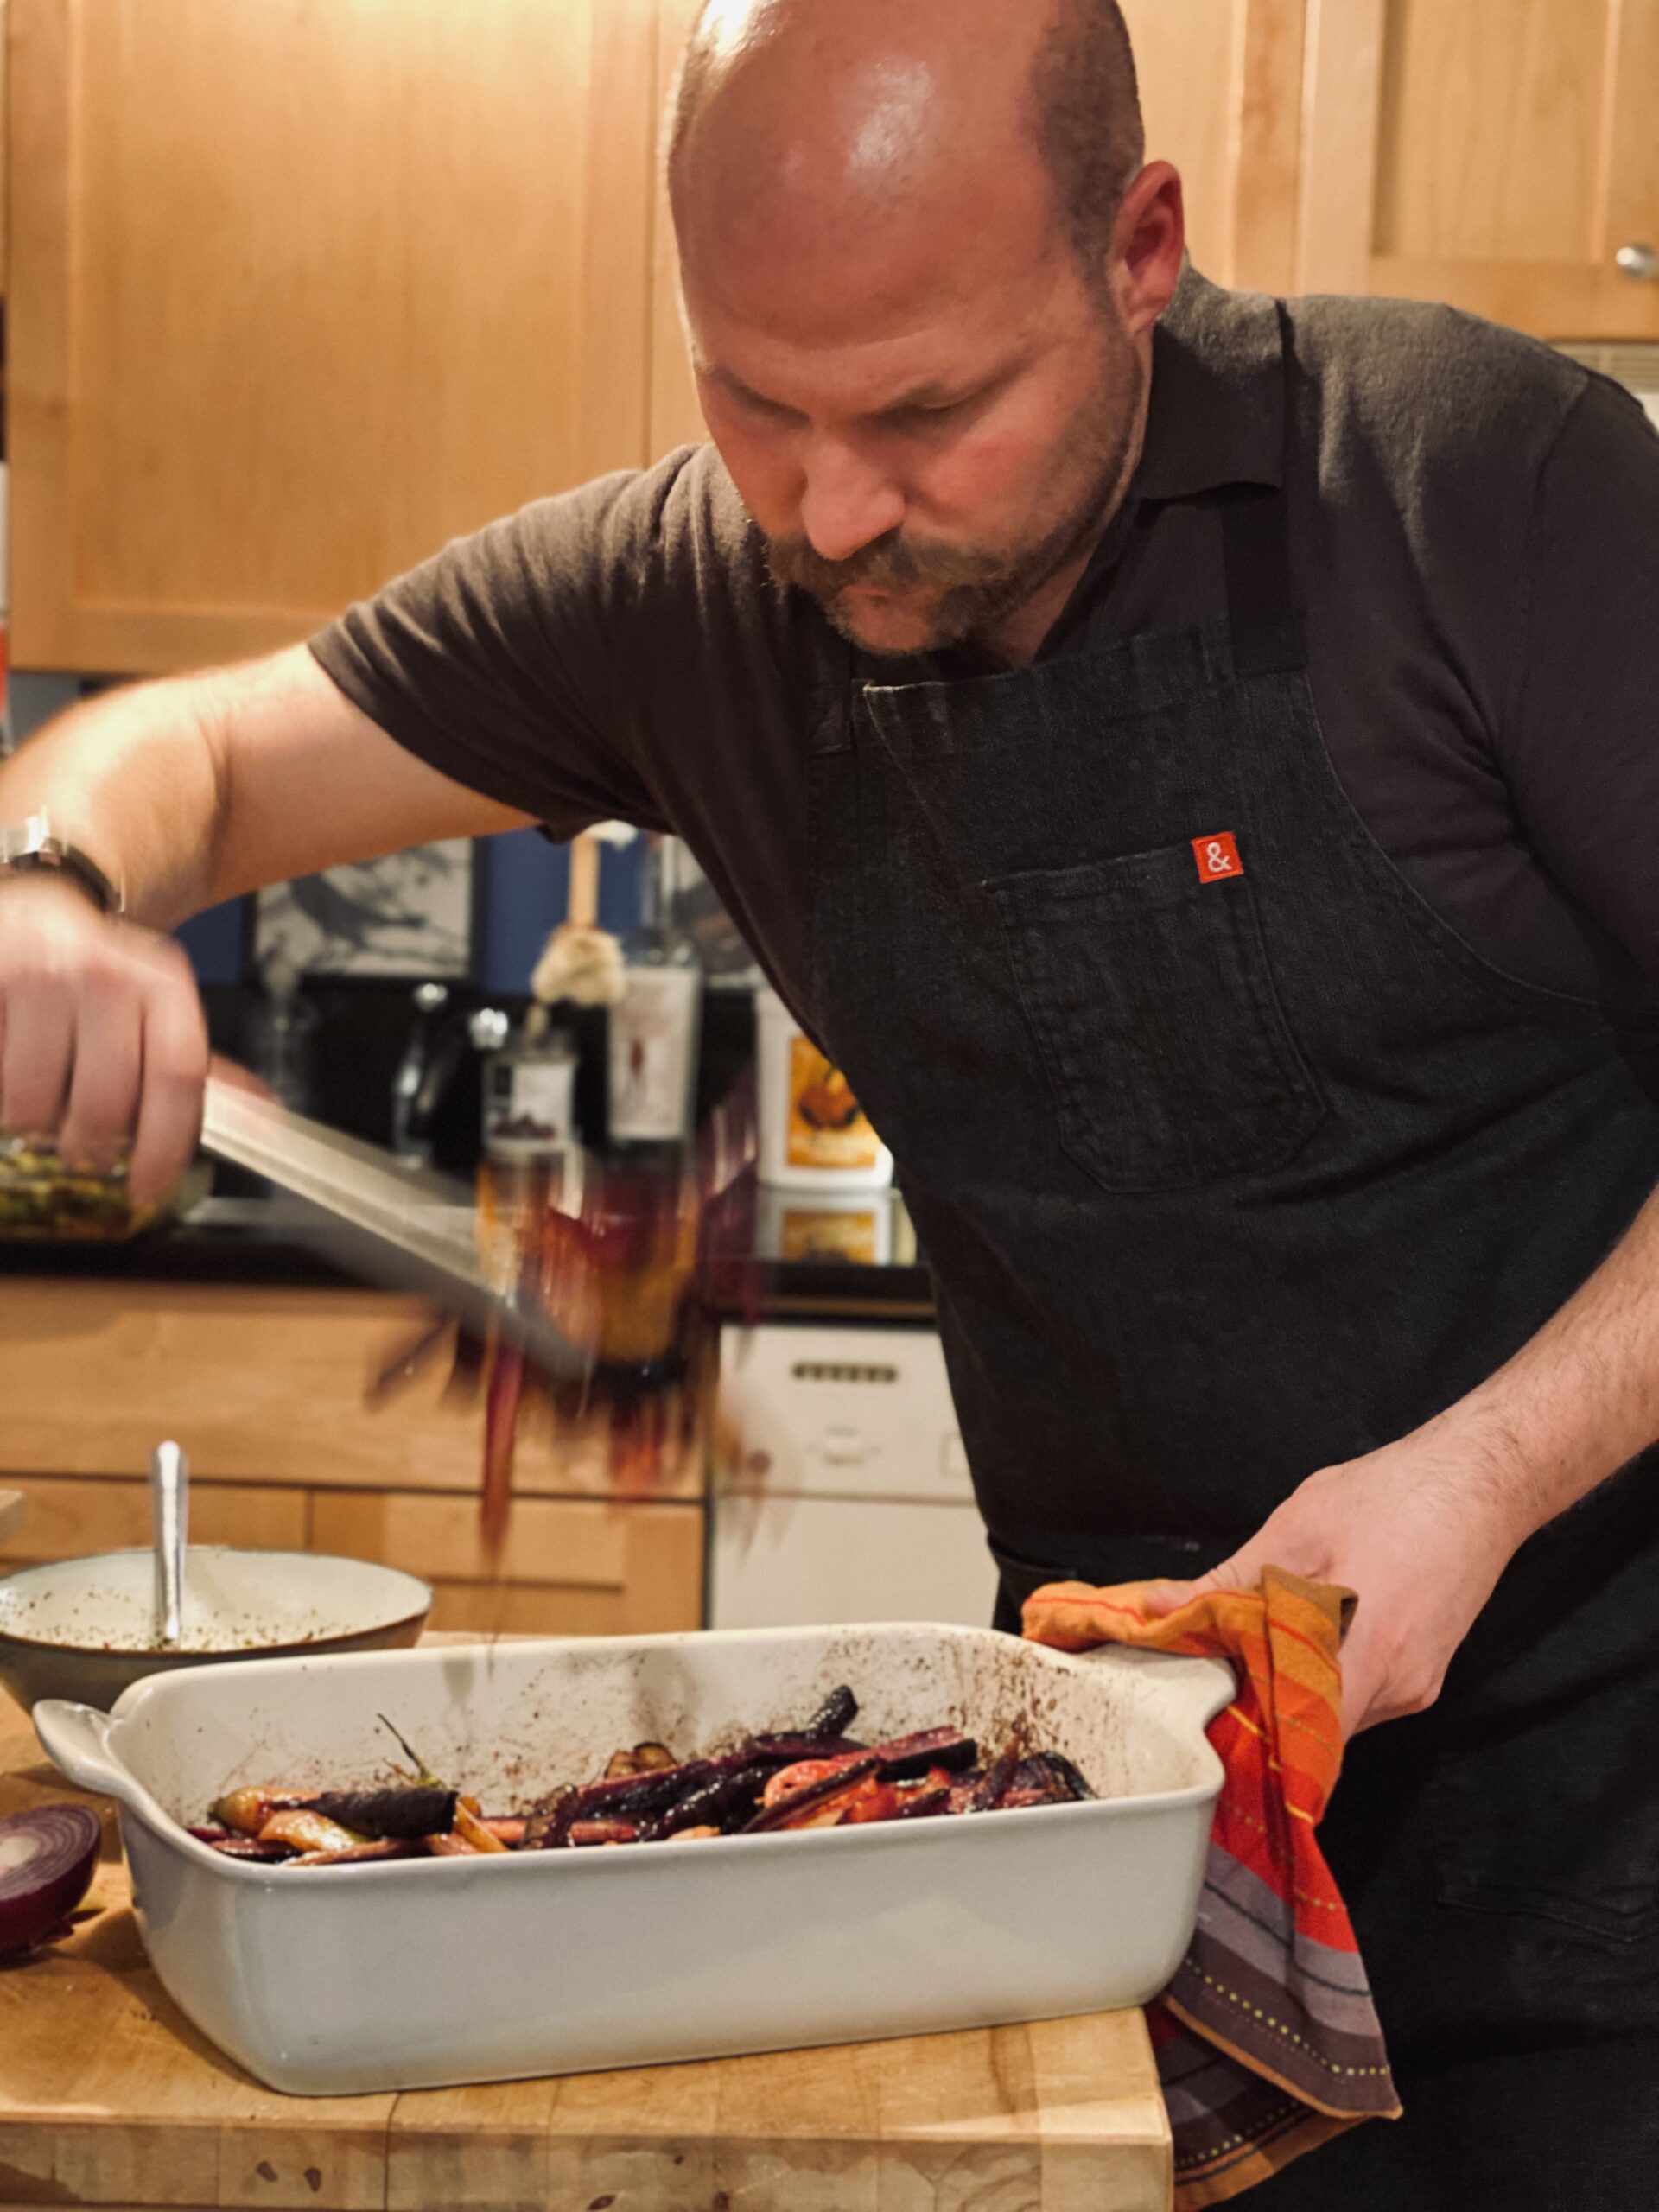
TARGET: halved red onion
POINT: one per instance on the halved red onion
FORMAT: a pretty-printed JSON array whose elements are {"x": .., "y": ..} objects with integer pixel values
[{"x": 48, "y": 1855}]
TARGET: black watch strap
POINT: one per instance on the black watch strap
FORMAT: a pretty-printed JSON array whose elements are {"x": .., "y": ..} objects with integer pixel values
[{"x": 32, "y": 847}]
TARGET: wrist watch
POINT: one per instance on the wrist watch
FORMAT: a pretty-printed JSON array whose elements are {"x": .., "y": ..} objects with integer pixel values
[{"x": 31, "y": 848}]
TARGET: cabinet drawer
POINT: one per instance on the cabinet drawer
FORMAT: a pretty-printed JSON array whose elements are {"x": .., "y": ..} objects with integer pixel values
[
  {"x": 66, "y": 1518},
  {"x": 569, "y": 1565},
  {"x": 258, "y": 1385}
]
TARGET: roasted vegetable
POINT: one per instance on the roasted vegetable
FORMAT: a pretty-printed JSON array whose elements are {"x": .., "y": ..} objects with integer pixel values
[
  {"x": 998, "y": 1779},
  {"x": 360, "y": 1854},
  {"x": 249, "y": 1847},
  {"x": 906, "y": 1756},
  {"x": 407, "y": 1811},
  {"x": 306, "y": 1831},
  {"x": 644, "y": 1758},
  {"x": 469, "y": 1826},
  {"x": 799, "y": 1808},
  {"x": 783, "y": 1749},
  {"x": 586, "y": 1832},
  {"x": 834, "y": 1716},
  {"x": 726, "y": 1802},
  {"x": 812, "y": 1776},
  {"x": 247, "y": 1810},
  {"x": 1070, "y": 1782}
]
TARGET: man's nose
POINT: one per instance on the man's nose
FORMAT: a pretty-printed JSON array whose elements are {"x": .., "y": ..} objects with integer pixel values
[{"x": 847, "y": 502}]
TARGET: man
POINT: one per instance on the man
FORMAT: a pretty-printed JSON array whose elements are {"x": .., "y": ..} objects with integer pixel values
[{"x": 1190, "y": 759}]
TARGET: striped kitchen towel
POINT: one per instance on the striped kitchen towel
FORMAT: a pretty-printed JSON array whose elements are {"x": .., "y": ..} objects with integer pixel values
[{"x": 1267, "y": 2039}]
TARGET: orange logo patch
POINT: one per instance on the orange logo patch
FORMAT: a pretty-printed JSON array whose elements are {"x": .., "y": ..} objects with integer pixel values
[{"x": 1218, "y": 857}]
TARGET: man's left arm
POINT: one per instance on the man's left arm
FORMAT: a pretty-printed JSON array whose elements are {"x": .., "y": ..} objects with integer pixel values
[{"x": 1422, "y": 1528}]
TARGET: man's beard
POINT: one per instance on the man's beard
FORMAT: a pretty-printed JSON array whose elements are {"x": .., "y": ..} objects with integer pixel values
[{"x": 972, "y": 590}]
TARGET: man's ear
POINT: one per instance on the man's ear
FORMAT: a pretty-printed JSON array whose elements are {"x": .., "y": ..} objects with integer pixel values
[{"x": 1148, "y": 246}]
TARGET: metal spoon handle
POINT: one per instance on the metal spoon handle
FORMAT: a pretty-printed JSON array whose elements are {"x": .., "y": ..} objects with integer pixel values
[{"x": 170, "y": 1471}]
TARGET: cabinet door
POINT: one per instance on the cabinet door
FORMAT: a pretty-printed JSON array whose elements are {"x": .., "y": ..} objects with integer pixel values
[
  {"x": 1220, "y": 88},
  {"x": 299, "y": 292},
  {"x": 1220, "y": 94},
  {"x": 1498, "y": 153}
]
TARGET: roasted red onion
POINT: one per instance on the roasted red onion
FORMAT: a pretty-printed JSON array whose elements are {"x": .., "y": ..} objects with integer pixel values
[
  {"x": 48, "y": 1855},
  {"x": 812, "y": 1795}
]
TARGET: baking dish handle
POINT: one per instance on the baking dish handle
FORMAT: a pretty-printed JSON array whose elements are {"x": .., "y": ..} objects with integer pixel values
[
  {"x": 77, "y": 1741},
  {"x": 1197, "y": 1689}
]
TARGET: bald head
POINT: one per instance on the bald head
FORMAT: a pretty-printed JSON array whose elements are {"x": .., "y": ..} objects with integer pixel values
[
  {"x": 921, "y": 259},
  {"x": 867, "y": 112}
]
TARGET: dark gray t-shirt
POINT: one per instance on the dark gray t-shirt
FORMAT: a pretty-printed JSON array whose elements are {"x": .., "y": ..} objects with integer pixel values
[{"x": 1475, "y": 526}]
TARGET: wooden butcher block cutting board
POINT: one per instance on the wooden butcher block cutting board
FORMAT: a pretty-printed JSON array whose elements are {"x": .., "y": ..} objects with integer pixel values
[{"x": 110, "y": 2097}]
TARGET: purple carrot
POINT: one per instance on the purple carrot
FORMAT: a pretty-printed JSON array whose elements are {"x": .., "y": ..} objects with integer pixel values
[
  {"x": 404, "y": 1813},
  {"x": 786, "y": 1750},
  {"x": 906, "y": 1756},
  {"x": 1070, "y": 1782},
  {"x": 626, "y": 1797},
  {"x": 997, "y": 1780},
  {"x": 725, "y": 1802}
]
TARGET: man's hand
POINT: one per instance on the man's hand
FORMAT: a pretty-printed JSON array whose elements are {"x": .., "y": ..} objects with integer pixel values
[
  {"x": 1420, "y": 1530},
  {"x": 102, "y": 1040}
]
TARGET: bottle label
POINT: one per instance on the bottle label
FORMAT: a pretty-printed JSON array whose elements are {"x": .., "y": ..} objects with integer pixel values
[
  {"x": 527, "y": 1102},
  {"x": 805, "y": 1235},
  {"x": 827, "y": 1127},
  {"x": 653, "y": 1038}
]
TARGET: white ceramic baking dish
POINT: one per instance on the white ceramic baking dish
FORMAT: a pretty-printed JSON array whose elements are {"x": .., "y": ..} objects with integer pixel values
[{"x": 428, "y": 1971}]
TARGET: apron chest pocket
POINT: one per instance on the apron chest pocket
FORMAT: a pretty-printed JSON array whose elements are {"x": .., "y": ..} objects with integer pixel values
[{"x": 1149, "y": 995}]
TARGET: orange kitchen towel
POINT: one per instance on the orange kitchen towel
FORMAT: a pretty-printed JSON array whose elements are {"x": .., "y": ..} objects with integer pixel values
[{"x": 1267, "y": 2039}]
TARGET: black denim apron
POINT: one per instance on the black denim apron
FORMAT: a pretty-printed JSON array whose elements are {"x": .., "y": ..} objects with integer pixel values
[{"x": 1233, "y": 1161}]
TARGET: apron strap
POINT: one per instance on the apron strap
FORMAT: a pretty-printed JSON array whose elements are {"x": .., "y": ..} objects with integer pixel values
[
  {"x": 1262, "y": 607},
  {"x": 1268, "y": 636}
]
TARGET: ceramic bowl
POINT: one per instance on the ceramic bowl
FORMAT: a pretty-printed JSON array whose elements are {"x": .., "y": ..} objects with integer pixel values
[{"x": 83, "y": 1628}]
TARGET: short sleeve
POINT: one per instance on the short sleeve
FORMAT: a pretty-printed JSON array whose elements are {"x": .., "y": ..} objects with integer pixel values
[
  {"x": 501, "y": 661},
  {"x": 1579, "y": 740}
]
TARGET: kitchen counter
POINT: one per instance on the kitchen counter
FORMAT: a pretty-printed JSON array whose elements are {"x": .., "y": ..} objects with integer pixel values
[
  {"x": 253, "y": 1241},
  {"x": 108, "y": 2097}
]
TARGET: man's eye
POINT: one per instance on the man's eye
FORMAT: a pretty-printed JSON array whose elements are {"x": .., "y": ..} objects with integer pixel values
[{"x": 922, "y": 416}]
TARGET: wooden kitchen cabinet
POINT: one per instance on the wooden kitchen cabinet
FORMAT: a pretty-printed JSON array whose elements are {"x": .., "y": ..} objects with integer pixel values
[
  {"x": 1497, "y": 154},
  {"x": 298, "y": 292},
  {"x": 266, "y": 1389},
  {"x": 66, "y": 1517}
]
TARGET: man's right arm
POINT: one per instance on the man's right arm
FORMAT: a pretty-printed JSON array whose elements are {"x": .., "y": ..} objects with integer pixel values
[{"x": 186, "y": 792}]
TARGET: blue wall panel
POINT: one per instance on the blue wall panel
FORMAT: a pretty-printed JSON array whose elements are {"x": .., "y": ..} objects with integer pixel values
[{"x": 526, "y": 881}]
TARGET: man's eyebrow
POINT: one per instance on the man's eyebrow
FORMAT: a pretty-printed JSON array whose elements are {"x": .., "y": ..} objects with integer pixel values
[
  {"x": 935, "y": 392},
  {"x": 728, "y": 379}
]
